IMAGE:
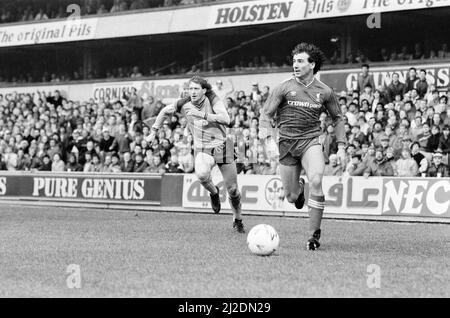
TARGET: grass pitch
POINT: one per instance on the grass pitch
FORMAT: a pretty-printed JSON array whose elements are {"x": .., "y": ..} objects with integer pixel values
[{"x": 199, "y": 255}]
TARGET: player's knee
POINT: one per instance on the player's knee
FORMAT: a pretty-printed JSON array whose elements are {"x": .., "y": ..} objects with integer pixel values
[
  {"x": 233, "y": 190},
  {"x": 316, "y": 181},
  {"x": 203, "y": 176}
]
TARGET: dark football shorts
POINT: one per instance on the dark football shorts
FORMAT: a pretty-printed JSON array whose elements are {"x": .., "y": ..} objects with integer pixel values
[
  {"x": 292, "y": 151},
  {"x": 223, "y": 154}
]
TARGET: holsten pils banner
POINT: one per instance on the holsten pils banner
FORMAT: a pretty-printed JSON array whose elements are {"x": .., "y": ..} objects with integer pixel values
[{"x": 86, "y": 188}]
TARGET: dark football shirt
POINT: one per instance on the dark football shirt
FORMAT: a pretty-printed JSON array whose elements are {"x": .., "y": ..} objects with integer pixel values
[{"x": 297, "y": 109}]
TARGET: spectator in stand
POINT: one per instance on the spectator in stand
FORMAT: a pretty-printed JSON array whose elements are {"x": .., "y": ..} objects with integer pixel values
[
  {"x": 380, "y": 166},
  {"x": 367, "y": 95},
  {"x": 395, "y": 88},
  {"x": 261, "y": 167},
  {"x": 138, "y": 4},
  {"x": 352, "y": 114},
  {"x": 442, "y": 106},
  {"x": 46, "y": 164},
  {"x": 416, "y": 154},
  {"x": 433, "y": 140},
  {"x": 118, "y": 6},
  {"x": 418, "y": 52},
  {"x": 365, "y": 79},
  {"x": 72, "y": 164},
  {"x": 220, "y": 90},
  {"x": 444, "y": 53},
  {"x": 437, "y": 168},
  {"x": 423, "y": 137},
  {"x": 58, "y": 165},
  {"x": 446, "y": 116},
  {"x": 444, "y": 143},
  {"x": 115, "y": 164},
  {"x": 41, "y": 16},
  {"x": 127, "y": 163},
  {"x": 135, "y": 72},
  {"x": 139, "y": 164},
  {"x": 158, "y": 166},
  {"x": 102, "y": 9},
  {"x": 356, "y": 167},
  {"x": 334, "y": 167},
  {"x": 422, "y": 85},
  {"x": 410, "y": 83},
  {"x": 406, "y": 166},
  {"x": 56, "y": 100},
  {"x": 106, "y": 144},
  {"x": 174, "y": 166}
]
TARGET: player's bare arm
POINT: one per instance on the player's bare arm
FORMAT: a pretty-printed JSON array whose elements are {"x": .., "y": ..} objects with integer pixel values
[
  {"x": 331, "y": 104},
  {"x": 163, "y": 114}
]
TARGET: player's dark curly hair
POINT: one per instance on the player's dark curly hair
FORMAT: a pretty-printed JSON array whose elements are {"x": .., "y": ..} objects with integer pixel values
[{"x": 315, "y": 54}]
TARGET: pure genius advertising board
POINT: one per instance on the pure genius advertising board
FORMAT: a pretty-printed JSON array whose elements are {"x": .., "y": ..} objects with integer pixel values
[{"x": 127, "y": 189}]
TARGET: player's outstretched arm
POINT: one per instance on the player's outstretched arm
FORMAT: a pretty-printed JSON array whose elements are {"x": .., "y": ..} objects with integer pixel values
[{"x": 163, "y": 114}]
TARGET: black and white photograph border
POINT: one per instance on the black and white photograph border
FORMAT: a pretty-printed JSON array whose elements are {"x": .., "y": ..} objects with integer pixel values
[{"x": 224, "y": 154}]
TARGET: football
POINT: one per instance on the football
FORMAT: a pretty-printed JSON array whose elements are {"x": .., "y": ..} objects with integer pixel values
[{"x": 263, "y": 240}]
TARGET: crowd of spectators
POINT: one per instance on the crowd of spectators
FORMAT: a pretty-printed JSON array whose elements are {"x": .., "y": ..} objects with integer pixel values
[
  {"x": 395, "y": 55},
  {"x": 401, "y": 130},
  {"x": 38, "y": 10}
]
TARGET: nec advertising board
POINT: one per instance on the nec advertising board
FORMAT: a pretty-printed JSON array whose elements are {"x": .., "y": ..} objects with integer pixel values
[
  {"x": 265, "y": 193},
  {"x": 416, "y": 197},
  {"x": 346, "y": 80},
  {"x": 344, "y": 195},
  {"x": 88, "y": 188}
]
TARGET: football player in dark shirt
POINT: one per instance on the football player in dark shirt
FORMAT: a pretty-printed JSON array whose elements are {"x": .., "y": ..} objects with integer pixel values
[{"x": 295, "y": 106}]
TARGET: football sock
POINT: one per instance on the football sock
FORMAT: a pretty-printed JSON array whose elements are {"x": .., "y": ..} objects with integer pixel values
[
  {"x": 316, "y": 206},
  {"x": 235, "y": 203}
]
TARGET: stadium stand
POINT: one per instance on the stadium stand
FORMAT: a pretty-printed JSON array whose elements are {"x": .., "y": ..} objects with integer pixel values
[{"x": 47, "y": 132}]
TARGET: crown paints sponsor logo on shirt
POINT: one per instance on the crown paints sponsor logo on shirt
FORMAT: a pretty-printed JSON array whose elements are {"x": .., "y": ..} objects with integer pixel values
[
  {"x": 303, "y": 104},
  {"x": 257, "y": 12}
]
